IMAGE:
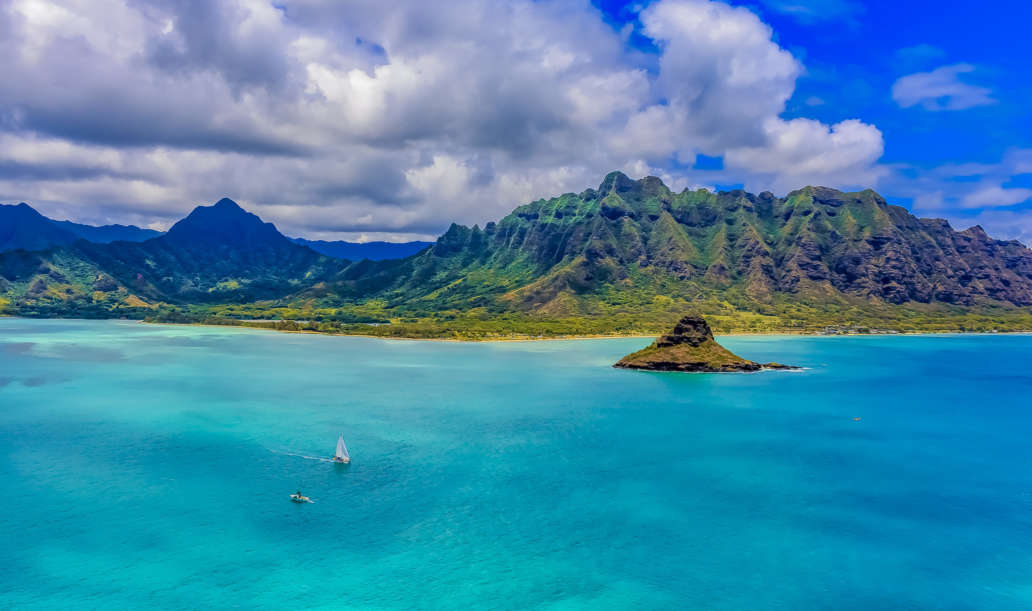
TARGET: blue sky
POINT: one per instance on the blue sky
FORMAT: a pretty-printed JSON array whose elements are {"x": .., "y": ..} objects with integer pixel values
[
  {"x": 371, "y": 120},
  {"x": 854, "y": 52}
]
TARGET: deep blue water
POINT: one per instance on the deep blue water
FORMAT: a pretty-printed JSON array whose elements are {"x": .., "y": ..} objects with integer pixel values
[{"x": 150, "y": 466}]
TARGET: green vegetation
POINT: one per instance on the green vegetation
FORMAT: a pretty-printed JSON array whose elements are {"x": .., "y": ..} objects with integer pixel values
[
  {"x": 628, "y": 258},
  {"x": 482, "y": 325},
  {"x": 690, "y": 347}
]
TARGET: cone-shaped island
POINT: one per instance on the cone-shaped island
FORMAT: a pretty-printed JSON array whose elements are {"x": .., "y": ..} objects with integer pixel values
[{"x": 691, "y": 347}]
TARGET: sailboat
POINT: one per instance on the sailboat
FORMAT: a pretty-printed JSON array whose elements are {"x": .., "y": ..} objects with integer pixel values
[{"x": 342, "y": 452}]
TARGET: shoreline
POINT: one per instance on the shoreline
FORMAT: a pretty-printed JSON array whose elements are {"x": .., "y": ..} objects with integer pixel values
[
  {"x": 395, "y": 338},
  {"x": 586, "y": 337},
  {"x": 540, "y": 338}
]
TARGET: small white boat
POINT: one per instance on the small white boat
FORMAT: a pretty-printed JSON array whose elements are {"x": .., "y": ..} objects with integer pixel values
[{"x": 341, "y": 456}]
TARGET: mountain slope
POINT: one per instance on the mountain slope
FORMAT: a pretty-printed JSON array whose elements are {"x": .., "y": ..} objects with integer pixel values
[
  {"x": 104, "y": 234},
  {"x": 217, "y": 254},
  {"x": 21, "y": 227},
  {"x": 621, "y": 245}
]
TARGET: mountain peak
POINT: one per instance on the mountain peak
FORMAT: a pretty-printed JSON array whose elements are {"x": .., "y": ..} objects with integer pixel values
[
  {"x": 22, "y": 226},
  {"x": 616, "y": 181},
  {"x": 23, "y": 210},
  {"x": 619, "y": 183},
  {"x": 225, "y": 202},
  {"x": 225, "y": 223}
]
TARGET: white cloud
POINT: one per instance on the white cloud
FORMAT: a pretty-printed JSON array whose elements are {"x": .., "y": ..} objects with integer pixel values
[
  {"x": 971, "y": 193},
  {"x": 965, "y": 186},
  {"x": 804, "y": 152},
  {"x": 941, "y": 89},
  {"x": 995, "y": 196},
  {"x": 372, "y": 118}
]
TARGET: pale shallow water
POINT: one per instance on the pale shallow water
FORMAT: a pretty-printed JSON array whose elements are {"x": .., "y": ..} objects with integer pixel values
[{"x": 149, "y": 466}]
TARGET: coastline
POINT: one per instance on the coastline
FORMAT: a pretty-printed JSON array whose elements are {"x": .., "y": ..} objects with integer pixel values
[
  {"x": 589, "y": 337},
  {"x": 401, "y": 338},
  {"x": 529, "y": 338}
]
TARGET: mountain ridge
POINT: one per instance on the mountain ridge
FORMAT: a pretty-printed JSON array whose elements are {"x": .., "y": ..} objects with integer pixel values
[
  {"x": 23, "y": 227},
  {"x": 105, "y": 234},
  {"x": 356, "y": 251},
  {"x": 630, "y": 249},
  {"x": 216, "y": 254},
  {"x": 815, "y": 242}
]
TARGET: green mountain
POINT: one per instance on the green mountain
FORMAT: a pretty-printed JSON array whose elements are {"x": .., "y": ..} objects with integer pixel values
[
  {"x": 630, "y": 256},
  {"x": 217, "y": 254},
  {"x": 627, "y": 244}
]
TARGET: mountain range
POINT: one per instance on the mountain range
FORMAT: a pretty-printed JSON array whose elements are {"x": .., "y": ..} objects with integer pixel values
[
  {"x": 628, "y": 248},
  {"x": 22, "y": 227},
  {"x": 356, "y": 251},
  {"x": 629, "y": 241}
]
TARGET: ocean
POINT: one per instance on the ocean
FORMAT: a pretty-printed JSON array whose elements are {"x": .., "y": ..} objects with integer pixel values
[{"x": 149, "y": 466}]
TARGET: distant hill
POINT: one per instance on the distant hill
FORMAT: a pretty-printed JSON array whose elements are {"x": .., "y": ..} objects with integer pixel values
[
  {"x": 21, "y": 227},
  {"x": 217, "y": 254},
  {"x": 104, "y": 234},
  {"x": 356, "y": 251}
]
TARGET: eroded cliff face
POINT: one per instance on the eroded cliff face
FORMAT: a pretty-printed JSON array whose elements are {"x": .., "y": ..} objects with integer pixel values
[
  {"x": 692, "y": 330},
  {"x": 690, "y": 347},
  {"x": 815, "y": 244}
]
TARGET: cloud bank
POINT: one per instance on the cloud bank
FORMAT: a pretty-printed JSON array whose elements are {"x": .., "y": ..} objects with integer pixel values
[{"x": 390, "y": 120}]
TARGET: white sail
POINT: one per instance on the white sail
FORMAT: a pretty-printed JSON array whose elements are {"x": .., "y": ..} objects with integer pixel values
[{"x": 342, "y": 450}]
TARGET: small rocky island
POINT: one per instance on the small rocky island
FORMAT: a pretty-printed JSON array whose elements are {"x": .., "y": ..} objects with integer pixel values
[{"x": 691, "y": 347}]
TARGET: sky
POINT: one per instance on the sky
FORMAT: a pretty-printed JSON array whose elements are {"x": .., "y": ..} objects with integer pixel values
[{"x": 366, "y": 119}]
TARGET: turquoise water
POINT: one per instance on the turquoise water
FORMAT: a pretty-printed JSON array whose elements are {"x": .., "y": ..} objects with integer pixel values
[{"x": 150, "y": 466}]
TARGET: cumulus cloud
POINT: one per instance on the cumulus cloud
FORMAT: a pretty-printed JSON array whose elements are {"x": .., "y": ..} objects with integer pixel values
[
  {"x": 804, "y": 151},
  {"x": 941, "y": 89},
  {"x": 380, "y": 119}
]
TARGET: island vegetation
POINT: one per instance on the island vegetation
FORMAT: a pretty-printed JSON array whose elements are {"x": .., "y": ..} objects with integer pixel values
[{"x": 690, "y": 347}]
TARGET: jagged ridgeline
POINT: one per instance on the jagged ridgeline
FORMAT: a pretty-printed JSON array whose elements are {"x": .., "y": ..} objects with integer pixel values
[
  {"x": 630, "y": 256},
  {"x": 634, "y": 244}
]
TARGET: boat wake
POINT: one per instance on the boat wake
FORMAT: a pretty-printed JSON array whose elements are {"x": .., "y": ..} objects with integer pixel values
[{"x": 306, "y": 457}]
